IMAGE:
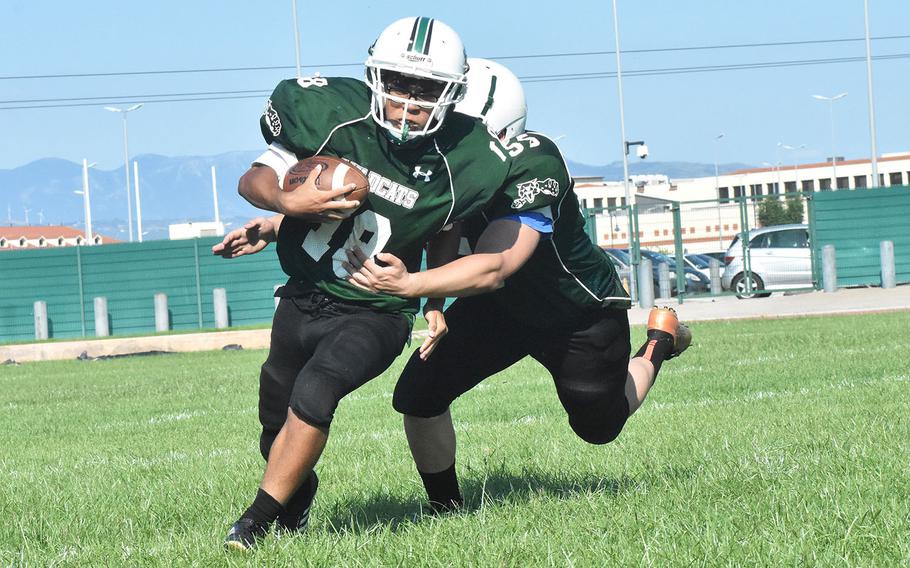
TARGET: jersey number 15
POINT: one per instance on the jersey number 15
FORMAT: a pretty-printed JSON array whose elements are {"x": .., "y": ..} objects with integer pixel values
[{"x": 513, "y": 147}]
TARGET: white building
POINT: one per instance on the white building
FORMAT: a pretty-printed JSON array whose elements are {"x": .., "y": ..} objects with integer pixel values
[
  {"x": 706, "y": 226},
  {"x": 195, "y": 230}
]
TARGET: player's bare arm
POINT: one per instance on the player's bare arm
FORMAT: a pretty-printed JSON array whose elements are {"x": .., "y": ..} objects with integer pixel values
[
  {"x": 260, "y": 186},
  {"x": 253, "y": 237},
  {"x": 503, "y": 248}
]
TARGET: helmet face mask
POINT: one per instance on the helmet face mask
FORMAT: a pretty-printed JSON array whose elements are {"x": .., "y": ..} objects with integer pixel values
[
  {"x": 496, "y": 97},
  {"x": 415, "y": 63}
]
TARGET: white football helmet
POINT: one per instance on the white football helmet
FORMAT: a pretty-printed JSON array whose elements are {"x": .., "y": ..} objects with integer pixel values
[
  {"x": 496, "y": 97},
  {"x": 426, "y": 60}
]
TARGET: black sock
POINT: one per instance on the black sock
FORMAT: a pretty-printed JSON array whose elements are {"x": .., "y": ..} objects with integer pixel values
[
  {"x": 658, "y": 346},
  {"x": 301, "y": 498},
  {"x": 264, "y": 509},
  {"x": 442, "y": 489}
]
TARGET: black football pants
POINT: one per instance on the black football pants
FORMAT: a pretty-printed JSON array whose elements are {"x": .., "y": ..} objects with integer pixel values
[
  {"x": 321, "y": 350},
  {"x": 589, "y": 365}
]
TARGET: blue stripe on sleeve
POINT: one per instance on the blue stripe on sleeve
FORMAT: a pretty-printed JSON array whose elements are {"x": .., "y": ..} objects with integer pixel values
[{"x": 537, "y": 221}]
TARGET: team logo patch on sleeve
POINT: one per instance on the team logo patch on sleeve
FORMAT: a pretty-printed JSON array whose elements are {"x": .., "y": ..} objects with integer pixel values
[
  {"x": 271, "y": 116},
  {"x": 314, "y": 81},
  {"x": 529, "y": 190}
]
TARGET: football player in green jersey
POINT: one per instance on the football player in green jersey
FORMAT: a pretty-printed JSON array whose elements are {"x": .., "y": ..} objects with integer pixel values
[
  {"x": 552, "y": 294},
  {"x": 427, "y": 168}
]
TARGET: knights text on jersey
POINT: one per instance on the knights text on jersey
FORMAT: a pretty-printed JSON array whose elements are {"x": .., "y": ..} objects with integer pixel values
[
  {"x": 568, "y": 276},
  {"x": 415, "y": 190}
]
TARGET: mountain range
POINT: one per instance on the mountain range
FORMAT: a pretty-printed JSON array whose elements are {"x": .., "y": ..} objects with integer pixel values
[{"x": 178, "y": 189}]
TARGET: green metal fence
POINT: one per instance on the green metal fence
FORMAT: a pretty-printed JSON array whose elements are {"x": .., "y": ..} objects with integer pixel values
[
  {"x": 679, "y": 228},
  {"x": 129, "y": 275},
  {"x": 856, "y": 222}
]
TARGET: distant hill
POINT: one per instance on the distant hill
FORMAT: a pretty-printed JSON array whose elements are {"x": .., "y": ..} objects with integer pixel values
[
  {"x": 173, "y": 190},
  {"x": 178, "y": 189}
]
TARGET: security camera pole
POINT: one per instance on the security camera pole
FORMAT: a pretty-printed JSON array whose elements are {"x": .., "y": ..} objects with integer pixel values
[{"x": 633, "y": 277}]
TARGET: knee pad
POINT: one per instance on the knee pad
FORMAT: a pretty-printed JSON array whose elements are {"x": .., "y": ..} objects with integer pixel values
[
  {"x": 416, "y": 392},
  {"x": 316, "y": 402},
  {"x": 412, "y": 399},
  {"x": 599, "y": 433},
  {"x": 600, "y": 425}
]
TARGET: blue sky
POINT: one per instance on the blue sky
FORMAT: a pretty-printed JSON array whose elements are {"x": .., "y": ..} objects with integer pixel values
[{"x": 678, "y": 114}]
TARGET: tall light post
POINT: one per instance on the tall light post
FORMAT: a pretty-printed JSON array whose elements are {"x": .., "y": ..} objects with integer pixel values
[
  {"x": 720, "y": 226},
  {"x": 138, "y": 202},
  {"x": 633, "y": 287},
  {"x": 795, "y": 164},
  {"x": 86, "y": 202},
  {"x": 871, "y": 98},
  {"x": 215, "y": 199},
  {"x": 831, "y": 116},
  {"x": 776, "y": 169},
  {"x": 296, "y": 36},
  {"x": 126, "y": 161}
]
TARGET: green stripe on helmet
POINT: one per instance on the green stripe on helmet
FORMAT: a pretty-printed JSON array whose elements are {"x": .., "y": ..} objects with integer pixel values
[
  {"x": 420, "y": 42},
  {"x": 489, "y": 103}
]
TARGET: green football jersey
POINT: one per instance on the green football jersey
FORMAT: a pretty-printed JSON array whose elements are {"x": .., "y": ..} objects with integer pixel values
[
  {"x": 568, "y": 278},
  {"x": 415, "y": 190}
]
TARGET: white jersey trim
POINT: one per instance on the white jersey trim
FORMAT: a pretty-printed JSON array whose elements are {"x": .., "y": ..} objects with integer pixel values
[
  {"x": 279, "y": 158},
  {"x": 451, "y": 182},
  {"x": 327, "y": 138}
]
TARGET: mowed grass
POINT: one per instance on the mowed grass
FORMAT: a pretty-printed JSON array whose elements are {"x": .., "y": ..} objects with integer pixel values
[{"x": 771, "y": 442}]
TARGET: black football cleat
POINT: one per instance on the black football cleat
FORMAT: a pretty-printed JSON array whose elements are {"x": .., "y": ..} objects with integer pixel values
[
  {"x": 297, "y": 518},
  {"x": 244, "y": 534}
]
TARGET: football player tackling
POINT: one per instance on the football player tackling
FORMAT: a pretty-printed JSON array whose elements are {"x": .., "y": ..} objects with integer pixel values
[
  {"x": 427, "y": 168},
  {"x": 558, "y": 300}
]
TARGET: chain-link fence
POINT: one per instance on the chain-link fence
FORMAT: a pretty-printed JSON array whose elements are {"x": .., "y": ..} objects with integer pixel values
[{"x": 747, "y": 245}]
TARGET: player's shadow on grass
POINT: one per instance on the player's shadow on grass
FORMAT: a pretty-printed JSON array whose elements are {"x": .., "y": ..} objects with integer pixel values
[{"x": 485, "y": 489}]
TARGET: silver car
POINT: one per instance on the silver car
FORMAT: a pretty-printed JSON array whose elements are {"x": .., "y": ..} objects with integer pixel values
[{"x": 780, "y": 259}]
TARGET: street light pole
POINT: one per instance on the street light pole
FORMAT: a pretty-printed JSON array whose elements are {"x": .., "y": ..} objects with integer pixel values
[
  {"x": 296, "y": 36},
  {"x": 86, "y": 203},
  {"x": 795, "y": 164},
  {"x": 633, "y": 277},
  {"x": 831, "y": 116},
  {"x": 720, "y": 226},
  {"x": 138, "y": 201},
  {"x": 126, "y": 161},
  {"x": 215, "y": 198},
  {"x": 871, "y": 98}
]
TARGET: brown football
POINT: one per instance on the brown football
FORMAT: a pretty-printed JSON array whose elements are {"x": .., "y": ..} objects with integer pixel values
[{"x": 336, "y": 173}]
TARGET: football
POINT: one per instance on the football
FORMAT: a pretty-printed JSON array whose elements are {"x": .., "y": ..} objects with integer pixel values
[{"x": 336, "y": 173}]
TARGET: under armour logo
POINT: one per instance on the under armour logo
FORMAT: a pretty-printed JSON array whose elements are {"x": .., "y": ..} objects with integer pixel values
[{"x": 424, "y": 174}]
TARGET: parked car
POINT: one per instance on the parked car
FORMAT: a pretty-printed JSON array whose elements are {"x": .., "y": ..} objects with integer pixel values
[
  {"x": 621, "y": 263},
  {"x": 719, "y": 255},
  {"x": 695, "y": 282},
  {"x": 779, "y": 258},
  {"x": 700, "y": 263}
]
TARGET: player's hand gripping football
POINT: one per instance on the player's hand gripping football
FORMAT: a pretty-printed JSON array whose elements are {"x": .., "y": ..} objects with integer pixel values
[
  {"x": 308, "y": 202},
  {"x": 254, "y": 236}
]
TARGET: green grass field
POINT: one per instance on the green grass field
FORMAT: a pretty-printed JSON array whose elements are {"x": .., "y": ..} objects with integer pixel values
[{"x": 770, "y": 442}]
